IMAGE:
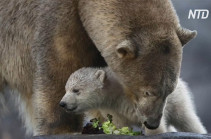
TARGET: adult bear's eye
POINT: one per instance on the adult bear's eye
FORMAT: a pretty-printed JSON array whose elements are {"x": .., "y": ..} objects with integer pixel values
[
  {"x": 75, "y": 90},
  {"x": 147, "y": 94}
]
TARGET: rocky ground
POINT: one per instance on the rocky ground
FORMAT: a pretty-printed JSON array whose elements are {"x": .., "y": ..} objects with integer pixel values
[{"x": 178, "y": 135}]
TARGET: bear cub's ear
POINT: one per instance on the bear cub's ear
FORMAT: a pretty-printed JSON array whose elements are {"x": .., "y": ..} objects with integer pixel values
[
  {"x": 185, "y": 35},
  {"x": 100, "y": 74},
  {"x": 126, "y": 49}
]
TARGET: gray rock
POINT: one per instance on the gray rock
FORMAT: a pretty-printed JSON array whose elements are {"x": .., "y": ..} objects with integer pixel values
[{"x": 175, "y": 135}]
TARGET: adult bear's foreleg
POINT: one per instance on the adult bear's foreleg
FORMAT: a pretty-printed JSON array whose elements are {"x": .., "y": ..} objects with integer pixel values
[{"x": 51, "y": 119}]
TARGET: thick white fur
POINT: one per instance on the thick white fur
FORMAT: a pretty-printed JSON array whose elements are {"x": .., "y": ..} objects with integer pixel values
[{"x": 179, "y": 111}]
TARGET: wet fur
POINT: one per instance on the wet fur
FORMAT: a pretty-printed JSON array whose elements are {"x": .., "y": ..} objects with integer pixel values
[{"x": 43, "y": 42}]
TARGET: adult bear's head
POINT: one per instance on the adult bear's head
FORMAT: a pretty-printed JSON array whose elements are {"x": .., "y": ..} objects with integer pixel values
[{"x": 142, "y": 43}]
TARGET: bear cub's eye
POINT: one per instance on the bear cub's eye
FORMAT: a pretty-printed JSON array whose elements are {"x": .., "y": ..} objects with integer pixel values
[{"x": 75, "y": 90}]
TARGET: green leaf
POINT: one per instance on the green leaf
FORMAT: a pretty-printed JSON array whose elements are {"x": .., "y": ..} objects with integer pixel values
[{"x": 109, "y": 128}]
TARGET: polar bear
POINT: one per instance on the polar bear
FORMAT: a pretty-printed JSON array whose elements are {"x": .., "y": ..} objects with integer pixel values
[
  {"x": 43, "y": 41},
  {"x": 94, "y": 88}
]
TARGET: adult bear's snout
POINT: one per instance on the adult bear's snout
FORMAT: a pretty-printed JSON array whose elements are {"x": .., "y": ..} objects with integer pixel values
[{"x": 152, "y": 123}]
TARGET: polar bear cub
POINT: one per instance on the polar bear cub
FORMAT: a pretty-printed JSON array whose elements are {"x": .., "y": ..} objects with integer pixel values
[{"x": 98, "y": 89}]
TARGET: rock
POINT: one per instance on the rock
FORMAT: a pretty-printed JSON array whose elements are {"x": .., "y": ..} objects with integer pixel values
[{"x": 175, "y": 135}]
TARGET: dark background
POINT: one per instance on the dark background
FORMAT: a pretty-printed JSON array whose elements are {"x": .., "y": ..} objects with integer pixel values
[
  {"x": 196, "y": 65},
  {"x": 196, "y": 69}
]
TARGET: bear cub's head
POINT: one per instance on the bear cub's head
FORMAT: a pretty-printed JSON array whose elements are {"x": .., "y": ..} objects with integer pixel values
[{"x": 83, "y": 90}]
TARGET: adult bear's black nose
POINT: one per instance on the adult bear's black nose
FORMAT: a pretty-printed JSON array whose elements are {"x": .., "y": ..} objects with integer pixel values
[{"x": 62, "y": 104}]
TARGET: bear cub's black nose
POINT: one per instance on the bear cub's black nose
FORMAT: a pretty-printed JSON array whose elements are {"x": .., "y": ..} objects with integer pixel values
[{"x": 63, "y": 104}]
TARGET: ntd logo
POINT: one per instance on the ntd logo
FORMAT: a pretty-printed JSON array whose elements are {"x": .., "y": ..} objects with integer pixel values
[{"x": 198, "y": 14}]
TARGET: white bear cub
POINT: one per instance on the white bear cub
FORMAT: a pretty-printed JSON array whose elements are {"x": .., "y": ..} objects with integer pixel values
[{"x": 98, "y": 89}]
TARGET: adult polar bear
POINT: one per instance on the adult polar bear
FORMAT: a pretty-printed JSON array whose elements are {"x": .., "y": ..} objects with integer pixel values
[{"x": 42, "y": 42}]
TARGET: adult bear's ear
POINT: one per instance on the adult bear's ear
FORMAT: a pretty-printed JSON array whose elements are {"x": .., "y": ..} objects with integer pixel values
[
  {"x": 100, "y": 74},
  {"x": 185, "y": 35},
  {"x": 125, "y": 49}
]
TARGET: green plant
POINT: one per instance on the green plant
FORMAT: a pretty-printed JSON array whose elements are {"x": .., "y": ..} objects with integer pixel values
[{"x": 109, "y": 128}]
